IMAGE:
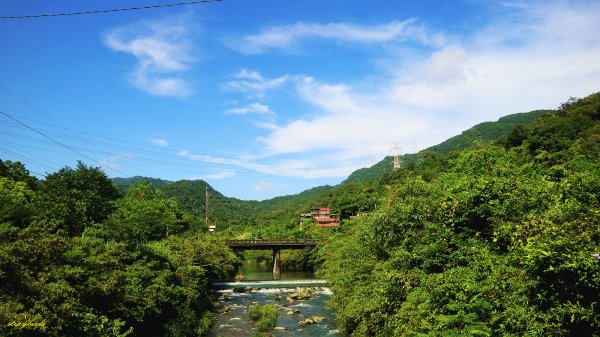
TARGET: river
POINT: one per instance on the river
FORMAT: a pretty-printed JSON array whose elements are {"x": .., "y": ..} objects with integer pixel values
[{"x": 233, "y": 320}]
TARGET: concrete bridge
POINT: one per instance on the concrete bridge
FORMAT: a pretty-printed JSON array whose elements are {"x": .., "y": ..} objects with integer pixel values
[{"x": 276, "y": 246}]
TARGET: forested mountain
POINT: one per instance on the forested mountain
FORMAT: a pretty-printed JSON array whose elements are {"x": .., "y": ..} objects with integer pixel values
[
  {"x": 232, "y": 213},
  {"x": 124, "y": 183},
  {"x": 487, "y": 131},
  {"x": 224, "y": 211}
]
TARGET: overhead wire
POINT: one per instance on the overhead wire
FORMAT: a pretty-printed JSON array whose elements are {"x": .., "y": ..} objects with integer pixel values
[
  {"x": 217, "y": 161},
  {"x": 176, "y": 159},
  {"x": 29, "y": 159},
  {"x": 98, "y": 11},
  {"x": 53, "y": 167},
  {"x": 219, "y": 156},
  {"x": 61, "y": 144}
]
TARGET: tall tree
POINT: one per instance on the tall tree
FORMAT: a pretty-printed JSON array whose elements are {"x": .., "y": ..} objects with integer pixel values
[
  {"x": 75, "y": 198},
  {"x": 145, "y": 214},
  {"x": 16, "y": 171}
]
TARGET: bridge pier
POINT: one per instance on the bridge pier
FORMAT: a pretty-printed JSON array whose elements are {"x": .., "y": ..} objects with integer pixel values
[
  {"x": 277, "y": 263},
  {"x": 276, "y": 245}
]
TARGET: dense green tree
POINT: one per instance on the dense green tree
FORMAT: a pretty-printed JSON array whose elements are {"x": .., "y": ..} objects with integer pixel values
[
  {"x": 15, "y": 203},
  {"x": 16, "y": 171},
  {"x": 145, "y": 214},
  {"x": 55, "y": 283},
  {"x": 72, "y": 199}
]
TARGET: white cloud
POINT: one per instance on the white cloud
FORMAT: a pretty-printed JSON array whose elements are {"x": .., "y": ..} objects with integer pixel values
[
  {"x": 253, "y": 83},
  {"x": 551, "y": 53},
  {"x": 112, "y": 162},
  {"x": 220, "y": 175},
  {"x": 160, "y": 142},
  {"x": 263, "y": 186},
  {"x": 163, "y": 52},
  {"x": 314, "y": 167},
  {"x": 257, "y": 108},
  {"x": 288, "y": 37}
]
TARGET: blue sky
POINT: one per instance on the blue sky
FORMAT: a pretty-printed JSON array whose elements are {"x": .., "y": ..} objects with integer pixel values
[{"x": 268, "y": 98}]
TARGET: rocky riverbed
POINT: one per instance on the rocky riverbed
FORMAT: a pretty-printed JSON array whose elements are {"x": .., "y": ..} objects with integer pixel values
[{"x": 302, "y": 312}]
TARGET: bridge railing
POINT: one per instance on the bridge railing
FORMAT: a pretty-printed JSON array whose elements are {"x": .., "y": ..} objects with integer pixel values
[{"x": 270, "y": 242}]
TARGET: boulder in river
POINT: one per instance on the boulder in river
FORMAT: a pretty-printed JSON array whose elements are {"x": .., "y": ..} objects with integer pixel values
[
  {"x": 301, "y": 294},
  {"x": 307, "y": 321},
  {"x": 317, "y": 318},
  {"x": 224, "y": 297}
]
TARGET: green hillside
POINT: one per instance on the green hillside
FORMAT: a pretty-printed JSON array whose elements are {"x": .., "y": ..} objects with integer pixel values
[
  {"x": 501, "y": 241},
  {"x": 235, "y": 214},
  {"x": 486, "y": 131},
  {"x": 124, "y": 183},
  {"x": 224, "y": 212}
]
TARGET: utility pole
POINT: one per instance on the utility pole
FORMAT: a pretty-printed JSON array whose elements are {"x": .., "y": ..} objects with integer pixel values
[
  {"x": 213, "y": 228},
  {"x": 206, "y": 212}
]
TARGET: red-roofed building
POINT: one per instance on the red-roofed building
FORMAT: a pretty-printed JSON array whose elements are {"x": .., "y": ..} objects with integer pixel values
[{"x": 322, "y": 217}]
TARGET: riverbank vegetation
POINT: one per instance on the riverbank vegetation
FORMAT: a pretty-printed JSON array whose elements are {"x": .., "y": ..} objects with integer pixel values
[
  {"x": 264, "y": 315},
  {"x": 77, "y": 258},
  {"x": 496, "y": 240}
]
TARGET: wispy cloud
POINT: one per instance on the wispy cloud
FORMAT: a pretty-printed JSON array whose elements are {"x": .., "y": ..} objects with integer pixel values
[
  {"x": 256, "y": 108},
  {"x": 113, "y": 161},
  {"x": 159, "y": 142},
  {"x": 220, "y": 175},
  {"x": 289, "y": 37},
  {"x": 253, "y": 83},
  {"x": 163, "y": 53},
  {"x": 317, "y": 166},
  {"x": 263, "y": 186}
]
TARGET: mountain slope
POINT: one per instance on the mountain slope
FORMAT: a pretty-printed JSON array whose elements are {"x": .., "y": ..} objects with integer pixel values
[
  {"x": 486, "y": 131},
  {"x": 224, "y": 211},
  {"x": 124, "y": 183}
]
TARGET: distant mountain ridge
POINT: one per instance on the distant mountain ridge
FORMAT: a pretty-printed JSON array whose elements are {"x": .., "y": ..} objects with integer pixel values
[
  {"x": 191, "y": 196},
  {"x": 124, "y": 183},
  {"x": 486, "y": 131}
]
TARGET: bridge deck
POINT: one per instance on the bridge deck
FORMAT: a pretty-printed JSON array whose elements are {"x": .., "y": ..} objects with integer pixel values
[{"x": 269, "y": 244}]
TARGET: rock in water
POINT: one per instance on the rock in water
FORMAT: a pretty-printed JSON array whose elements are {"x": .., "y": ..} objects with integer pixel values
[
  {"x": 302, "y": 294},
  {"x": 307, "y": 321},
  {"x": 318, "y": 318}
]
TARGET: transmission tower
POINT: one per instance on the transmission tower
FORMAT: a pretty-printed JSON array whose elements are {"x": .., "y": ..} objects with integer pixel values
[{"x": 397, "y": 160}]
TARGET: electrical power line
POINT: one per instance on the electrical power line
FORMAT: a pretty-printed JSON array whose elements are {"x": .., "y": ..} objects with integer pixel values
[
  {"x": 61, "y": 144},
  {"x": 106, "y": 10},
  {"x": 165, "y": 156},
  {"x": 26, "y": 158}
]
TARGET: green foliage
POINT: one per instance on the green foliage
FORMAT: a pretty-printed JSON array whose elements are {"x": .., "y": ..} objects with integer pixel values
[
  {"x": 224, "y": 212},
  {"x": 124, "y": 183},
  {"x": 54, "y": 283},
  {"x": 16, "y": 171},
  {"x": 15, "y": 204},
  {"x": 265, "y": 316},
  {"x": 145, "y": 214},
  {"x": 72, "y": 199},
  {"x": 493, "y": 241}
]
